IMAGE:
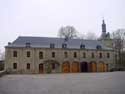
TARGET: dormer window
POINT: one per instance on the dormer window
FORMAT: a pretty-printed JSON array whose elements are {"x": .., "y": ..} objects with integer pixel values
[
  {"x": 52, "y": 45},
  {"x": 64, "y": 45},
  {"x": 98, "y": 47},
  {"x": 28, "y": 44},
  {"x": 82, "y": 46}
]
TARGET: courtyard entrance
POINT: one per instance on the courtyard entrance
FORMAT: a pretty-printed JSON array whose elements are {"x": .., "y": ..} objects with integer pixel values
[
  {"x": 51, "y": 66},
  {"x": 41, "y": 68},
  {"x": 100, "y": 67},
  {"x": 66, "y": 67},
  {"x": 75, "y": 66},
  {"x": 92, "y": 67},
  {"x": 84, "y": 66}
]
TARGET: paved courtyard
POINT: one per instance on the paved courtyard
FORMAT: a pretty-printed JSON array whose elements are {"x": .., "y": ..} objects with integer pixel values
[{"x": 73, "y": 83}]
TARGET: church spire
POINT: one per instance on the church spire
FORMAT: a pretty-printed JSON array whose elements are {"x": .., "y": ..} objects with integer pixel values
[{"x": 103, "y": 26}]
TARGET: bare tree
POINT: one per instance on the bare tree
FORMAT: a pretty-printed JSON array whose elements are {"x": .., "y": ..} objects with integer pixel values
[
  {"x": 118, "y": 37},
  {"x": 67, "y": 32}
]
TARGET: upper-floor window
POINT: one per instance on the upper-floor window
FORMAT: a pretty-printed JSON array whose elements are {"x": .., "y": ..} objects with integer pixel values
[
  {"x": 14, "y": 65},
  {"x": 75, "y": 55},
  {"x": 82, "y": 46},
  {"x": 100, "y": 55},
  {"x": 40, "y": 55},
  {"x": 28, "y": 53},
  {"x": 93, "y": 55},
  {"x": 98, "y": 47},
  {"x": 108, "y": 55},
  {"x": 14, "y": 53},
  {"x": 28, "y": 66},
  {"x": 84, "y": 55},
  {"x": 65, "y": 54},
  {"x": 64, "y": 45},
  {"x": 52, "y": 45},
  {"x": 53, "y": 54}
]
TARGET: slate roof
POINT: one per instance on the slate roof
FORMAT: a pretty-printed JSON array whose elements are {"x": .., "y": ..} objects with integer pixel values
[{"x": 44, "y": 42}]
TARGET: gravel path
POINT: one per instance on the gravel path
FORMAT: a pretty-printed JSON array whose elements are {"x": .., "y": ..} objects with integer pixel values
[{"x": 73, "y": 83}]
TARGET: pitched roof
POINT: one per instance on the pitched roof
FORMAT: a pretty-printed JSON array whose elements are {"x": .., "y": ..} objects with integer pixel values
[{"x": 44, "y": 42}]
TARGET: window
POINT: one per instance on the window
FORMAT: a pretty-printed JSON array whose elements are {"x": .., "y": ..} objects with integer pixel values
[
  {"x": 28, "y": 66},
  {"x": 64, "y": 45},
  {"x": 53, "y": 66},
  {"x": 52, "y": 45},
  {"x": 98, "y": 47},
  {"x": 65, "y": 54},
  {"x": 75, "y": 54},
  {"x": 93, "y": 55},
  {"x": 100, "y": 55},
  {"x": 28, "y": 53},
  {"x": 28, "y": 44},
  {"x": 40, "y": 55},
  {"x": 82, "y": 46},
  {"x": 53, "y": 54},
  {"x": 14, "y": 53},
  {"x": 14, "y": 65},
  {"x": 84, "y": 55},
  {"x": 108, "y": 55}
]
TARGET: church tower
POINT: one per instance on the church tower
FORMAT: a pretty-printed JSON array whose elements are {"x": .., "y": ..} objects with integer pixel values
[
  {"x": 103, "y": 29},
  {"x": 105, "y": 36},
  {"x": 103, "y": 26}
]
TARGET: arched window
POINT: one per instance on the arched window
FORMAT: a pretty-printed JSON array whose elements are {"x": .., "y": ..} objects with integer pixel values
[
  {"x": 28, "y": 53},
  {"x": 14, "y": 53},
  {"x": 53, "y": 54},
  {"x": 40, "y": 55},
  {"x": 28, "y": 66},
  {"x": 65, "y": 54},
  {"x": 14, "y": 65},
  {"x": 75, "y": 55},
  {"x": 100, "y": 55},
  {"x": 93, "y": 55},
  {"x": 84, "y": 55},
  {"x": 108, "y": 55}
]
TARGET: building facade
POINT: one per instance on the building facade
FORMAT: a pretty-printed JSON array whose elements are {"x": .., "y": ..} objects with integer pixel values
[{"x": 55, "y": 55}]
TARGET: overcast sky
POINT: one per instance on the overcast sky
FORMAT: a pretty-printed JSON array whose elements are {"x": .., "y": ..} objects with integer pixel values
[{"x": 45, "y": 17}]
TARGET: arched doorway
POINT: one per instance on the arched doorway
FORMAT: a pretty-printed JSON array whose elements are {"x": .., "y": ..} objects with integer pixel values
[
  {"x": 100, "y": 67},
  {"x": 92, "y": 66},
  {"x": 84, "y": 66},
  {"x": 107, "y": 67},
  {"x": 51, "y": 66},
  {"x": 75, "y": 66},
  {"x": 41, "y": 68},
  {"x": 66, "y": 67}
]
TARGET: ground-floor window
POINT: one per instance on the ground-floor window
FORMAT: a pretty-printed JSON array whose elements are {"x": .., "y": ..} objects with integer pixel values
[
  {"x": 28, "y": 66},
  {"x": 14, "y": 65}
]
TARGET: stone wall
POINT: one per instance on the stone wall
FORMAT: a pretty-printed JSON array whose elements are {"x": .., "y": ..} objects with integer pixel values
[{"x": 34, "y": 60}]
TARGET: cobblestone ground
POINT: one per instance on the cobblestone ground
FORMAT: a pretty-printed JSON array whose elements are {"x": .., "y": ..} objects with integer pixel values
[{"x": 74, "y": 83}]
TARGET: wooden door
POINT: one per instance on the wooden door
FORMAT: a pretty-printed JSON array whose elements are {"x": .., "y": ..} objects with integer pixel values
[
  {"x": 66, "y": 67},
  {"x": 75, "y": 67},
  {"x": 41, "y": 68},
  {"x": 100, "y": 67}
]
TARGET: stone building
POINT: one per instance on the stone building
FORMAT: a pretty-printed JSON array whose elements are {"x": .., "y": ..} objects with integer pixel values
[
  {"x": 57, "y": 55},
  {"x": 48, "y": 55}
]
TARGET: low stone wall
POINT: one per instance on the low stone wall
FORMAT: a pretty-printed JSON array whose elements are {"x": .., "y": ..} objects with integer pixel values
[{"x": 2, "y": 73}]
